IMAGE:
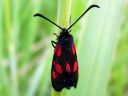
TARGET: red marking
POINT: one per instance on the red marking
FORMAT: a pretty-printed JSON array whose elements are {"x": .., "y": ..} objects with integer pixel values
[
  {"x": 75, "y": 68},
  {"x": 58, "y": 68},
  {"x": 73, "y": 49},
  {"x": 68, "y": 67},
  {"x": 54, "y": 75},
  {"x": 57, "y": 50}
]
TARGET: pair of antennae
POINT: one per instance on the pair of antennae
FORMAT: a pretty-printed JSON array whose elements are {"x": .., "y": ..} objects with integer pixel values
[{"x": 40, "y": 15}]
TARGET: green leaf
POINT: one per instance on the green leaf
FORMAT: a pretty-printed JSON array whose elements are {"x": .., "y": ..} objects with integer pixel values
[{"x": 96, "y": 48}]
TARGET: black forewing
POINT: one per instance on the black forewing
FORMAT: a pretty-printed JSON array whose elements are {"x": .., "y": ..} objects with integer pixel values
[{"x": 66, "y": 56}]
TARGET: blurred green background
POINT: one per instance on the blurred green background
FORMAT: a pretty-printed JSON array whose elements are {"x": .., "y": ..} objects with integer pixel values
[{"x": 101, "y": 40}]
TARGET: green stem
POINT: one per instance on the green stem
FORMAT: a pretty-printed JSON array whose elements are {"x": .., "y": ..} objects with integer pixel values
[
  {"x": 64, "y": 10},
  {"x": 1, "y": 35},
  {"x": 11, "y": 46}
]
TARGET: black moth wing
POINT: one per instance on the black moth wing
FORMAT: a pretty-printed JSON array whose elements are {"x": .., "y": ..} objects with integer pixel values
[{"x": 64, "y": 72}]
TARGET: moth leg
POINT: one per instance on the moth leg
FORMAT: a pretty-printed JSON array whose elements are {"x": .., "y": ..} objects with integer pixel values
[
  {"x": 55, "y": 34},
  {"x": 53, "y": 43}
]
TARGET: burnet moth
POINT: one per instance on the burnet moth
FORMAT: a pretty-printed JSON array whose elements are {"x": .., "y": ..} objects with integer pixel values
[{"x": 64, "y": 71}]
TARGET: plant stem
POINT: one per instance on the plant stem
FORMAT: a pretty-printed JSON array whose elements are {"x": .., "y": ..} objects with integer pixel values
[
  {"x": 11, "y": 47},
  {"x": 64, "y": 10}
]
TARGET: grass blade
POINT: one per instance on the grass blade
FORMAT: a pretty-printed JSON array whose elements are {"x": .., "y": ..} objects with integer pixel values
[{"x": 96, "y": 48}]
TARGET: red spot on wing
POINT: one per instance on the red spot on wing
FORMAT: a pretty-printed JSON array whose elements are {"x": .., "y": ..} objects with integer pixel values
[
  {"x": 58, "y": 68},
  {"x": 58, "y": 50},
  {"x": 68, "y": 67},
  {"x": 54, "y": 75},
  {"x": 73, "y": 49},
  {"x": 75, "y": 68}
]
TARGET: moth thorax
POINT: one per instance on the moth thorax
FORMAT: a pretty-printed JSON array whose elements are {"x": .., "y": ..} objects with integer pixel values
[{"x": 66, "y": 42}]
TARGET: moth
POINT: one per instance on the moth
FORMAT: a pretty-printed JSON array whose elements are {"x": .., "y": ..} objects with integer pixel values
[{"x": 64, "y": 71}]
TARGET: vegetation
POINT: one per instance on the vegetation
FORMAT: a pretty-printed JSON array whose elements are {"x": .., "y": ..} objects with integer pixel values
[{"x": 26, "y": 52}]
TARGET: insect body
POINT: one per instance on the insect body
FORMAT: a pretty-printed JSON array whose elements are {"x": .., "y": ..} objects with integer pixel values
[{"x": 64, "y": 72}]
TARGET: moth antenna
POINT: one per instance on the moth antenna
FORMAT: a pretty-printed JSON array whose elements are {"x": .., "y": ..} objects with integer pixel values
[
  {"x": 40, "y": 15},
  {"x": 91, "y": 6}
]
